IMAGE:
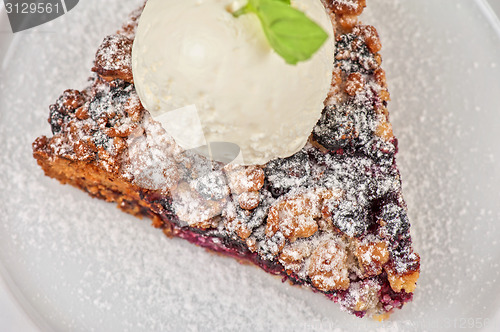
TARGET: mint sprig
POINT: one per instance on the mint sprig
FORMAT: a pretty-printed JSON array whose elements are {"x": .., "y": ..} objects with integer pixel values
[{"x": 293, "y": 35}]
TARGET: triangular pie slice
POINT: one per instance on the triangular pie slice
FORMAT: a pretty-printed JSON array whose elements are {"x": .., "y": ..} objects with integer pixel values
[{"x": 330, "y": 217}]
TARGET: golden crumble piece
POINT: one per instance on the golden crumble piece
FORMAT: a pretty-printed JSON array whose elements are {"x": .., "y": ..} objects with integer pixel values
[
  {"x": 384, "y": 131},
  {"x": 365, "y": 304},
  {"x": 82, "y": 113},
  {"x": 82, "y": 151},
  {"x": 348, "y": 22},
  {"x": 120, "y": 131},
  {"x": 380, "y": 77},
  {"x": 113, "y": 59},
  {"x": 243, "y": 232},
  {"x": 328, "y": 267},
  {"x": 194, "y": 209},
  {"x": 252, "y": 244},
  {"x": 249, "y": 200},
  {"x": 371, "y": 37},
  {"x": 384, "y": 95},
  {"x": 294, "y": 216},
  {"x": 406, "y": 281},
  {"x": 236, "y": 223},
  {"x": 134, "y": 109},
  {"x": 244, "y": 179},
  {"x": 292, "y": 257},
  {"x": 355, "y": 83},
  {"x": 372, "y": 257},
  {"x": 119, "y": 145},
  {"x": 383, "y": 112},
  {"x": 239, "y": 227},
  {"x": 365, "y": 295},
  {"x": 73, "y": 99},
  {"x": 347, "y": 7}
]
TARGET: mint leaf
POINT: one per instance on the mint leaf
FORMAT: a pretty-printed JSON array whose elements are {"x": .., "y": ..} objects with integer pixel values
[{"x": 289, "y": 31}]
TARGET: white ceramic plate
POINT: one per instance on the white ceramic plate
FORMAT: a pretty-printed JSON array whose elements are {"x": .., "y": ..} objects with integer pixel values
[{"x": 78, "y": 264}]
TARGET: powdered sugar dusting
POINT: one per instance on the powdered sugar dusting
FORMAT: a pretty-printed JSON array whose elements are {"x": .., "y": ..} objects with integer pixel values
[
  {"x": 117, "y": 45},
  {"x": 151, "y": 157}
]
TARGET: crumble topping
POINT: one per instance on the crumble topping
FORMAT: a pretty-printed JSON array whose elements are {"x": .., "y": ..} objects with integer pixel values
[
  {"x": 372, "y": 256},
  {"x": 327, "y": 266},
  {"x": 363, "y": 296},
  {"x": 114, "y": 58},
  {"x": 244, "y": 179},
  {"x": 294, "y": 216},
  {"x": 347, "y": 7},
  {"x": 249, "y": 200}
]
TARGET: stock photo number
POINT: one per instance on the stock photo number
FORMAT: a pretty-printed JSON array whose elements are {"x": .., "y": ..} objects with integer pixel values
[
  {"x": 27, "y": 14},
  {"x": 467, "y": 323},
  {"x": 32, "y": 8}
]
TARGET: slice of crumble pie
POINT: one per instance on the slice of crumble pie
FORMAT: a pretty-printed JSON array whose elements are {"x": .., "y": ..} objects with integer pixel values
[{"x": 330, "y": 217}]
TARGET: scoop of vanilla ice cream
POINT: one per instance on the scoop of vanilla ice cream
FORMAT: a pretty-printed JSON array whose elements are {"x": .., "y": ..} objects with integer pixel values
[{"x": 210, "y": 77}]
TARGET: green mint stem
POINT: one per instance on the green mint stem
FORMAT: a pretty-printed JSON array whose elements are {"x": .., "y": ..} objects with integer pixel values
[
  {"x": 289, "y": 31},
  {"x": 244, "y": 10}
]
